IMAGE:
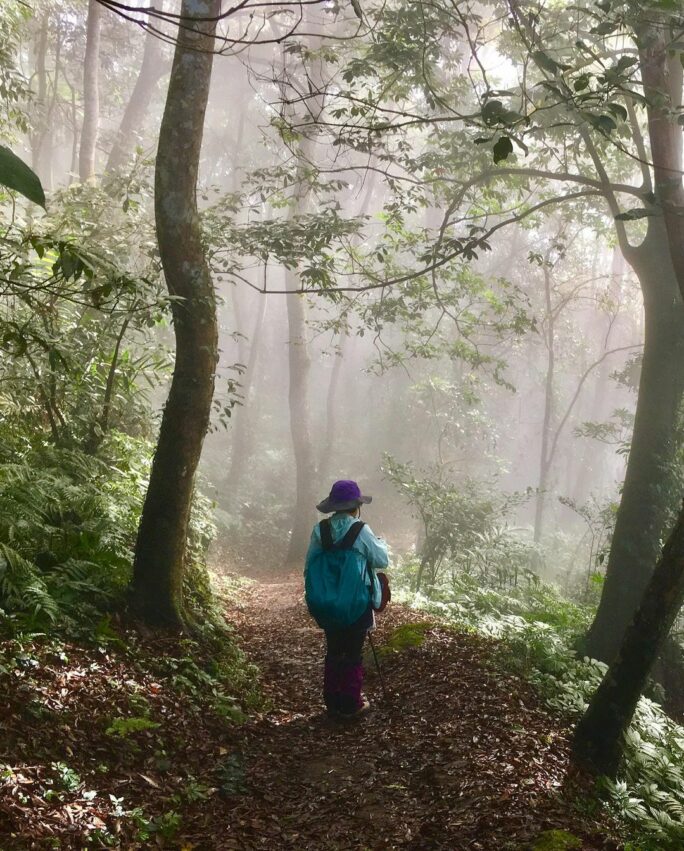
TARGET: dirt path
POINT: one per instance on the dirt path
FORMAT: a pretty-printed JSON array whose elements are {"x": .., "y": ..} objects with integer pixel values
[{"x": 459, "y": 756}]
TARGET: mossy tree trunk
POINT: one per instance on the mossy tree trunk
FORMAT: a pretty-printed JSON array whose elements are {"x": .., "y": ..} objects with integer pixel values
[
  {"x": 162, "y": 536},
  {"x": 662, "y": 74},
  {"x": 598, "y": 737},
  {"x": 647, "y": 496}
]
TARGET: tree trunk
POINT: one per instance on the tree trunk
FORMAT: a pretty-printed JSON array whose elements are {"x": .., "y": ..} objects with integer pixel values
[
  {"x": 243, "y": 432},
  {"x": 329, "y": 455},
  {"x": 162, "y": 536},
  {"x": 300, "y": 426},
  {"x": 40, "y": 128},
  {"x": 152, "y": 69},
  {"x": 544, "y": 455},
  {"x": 91, "y": 93},
  {"x": 647, "y": 491},
  {"x": 598, "y": 738},
  {"x": 661, "y": 71}
]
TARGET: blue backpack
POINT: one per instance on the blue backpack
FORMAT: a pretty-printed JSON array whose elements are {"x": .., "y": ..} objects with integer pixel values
[{"x": 335, "y": 588}]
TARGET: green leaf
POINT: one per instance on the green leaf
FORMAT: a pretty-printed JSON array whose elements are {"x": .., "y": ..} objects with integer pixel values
[
  {"x": 15, "y": 174},
  {"x": 492, "y": 111},
  {"x": 627, "y": 62},
  {"x": 604, "y": 28},
  {"x": 617, "y": 110},
  {"x": 603, "y": 123},
  {"x": 548, "y": 63},
  {"x": 502, "y": 149}
]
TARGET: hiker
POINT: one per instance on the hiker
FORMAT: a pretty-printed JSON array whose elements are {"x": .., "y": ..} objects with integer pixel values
[{"x": 343, "y": 592}]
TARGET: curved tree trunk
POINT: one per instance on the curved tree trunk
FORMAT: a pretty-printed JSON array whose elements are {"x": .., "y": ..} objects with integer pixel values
[
  {"x": 598, "y": 737},
  {"x": 647, "y": 492},
  {"x": 162, "y": 536},
  {"x": 151, "y": 71},
  {"x": 91, "y": 93}
]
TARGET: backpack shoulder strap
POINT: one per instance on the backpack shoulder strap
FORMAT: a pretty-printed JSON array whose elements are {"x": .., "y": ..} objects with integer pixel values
[
  {"x": 326, "y": 534},
  {"x": 352, "y": 534}
]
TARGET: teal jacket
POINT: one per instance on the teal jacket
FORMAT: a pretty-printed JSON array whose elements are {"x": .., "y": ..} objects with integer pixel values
[{"x": 374, "y": 549}]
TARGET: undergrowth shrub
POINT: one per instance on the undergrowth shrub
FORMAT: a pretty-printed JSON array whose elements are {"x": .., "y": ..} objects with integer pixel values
[{"x": 68, "y": 524}]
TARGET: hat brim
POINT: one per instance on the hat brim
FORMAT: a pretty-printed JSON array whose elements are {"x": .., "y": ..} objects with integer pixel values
[{"x": 328, "y": 505}]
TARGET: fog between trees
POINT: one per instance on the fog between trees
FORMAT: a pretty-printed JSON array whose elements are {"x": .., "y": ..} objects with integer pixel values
[{"x": 444, "y": 243}]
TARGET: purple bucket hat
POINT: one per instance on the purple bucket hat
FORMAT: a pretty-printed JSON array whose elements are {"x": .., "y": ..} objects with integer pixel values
[{"x": 344, "y": 495}]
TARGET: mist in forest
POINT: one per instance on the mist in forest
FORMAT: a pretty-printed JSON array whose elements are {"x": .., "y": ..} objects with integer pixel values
[
  {"x": 249, "y": 251},
  {"x": 512, "y": 379}
]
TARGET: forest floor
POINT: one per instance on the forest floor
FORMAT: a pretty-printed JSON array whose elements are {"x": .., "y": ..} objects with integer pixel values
[{"x": 458, "y": 755}]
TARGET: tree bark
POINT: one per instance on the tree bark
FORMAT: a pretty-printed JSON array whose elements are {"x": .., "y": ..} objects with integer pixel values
[
  {"x": 91, "y": 93},
  {"x": 151, "y": 71},
  {"x": 598, "y": 737},
  {"x": 647, "y": 490},
  {"x": 162, "y": 536},
  {"x": 661, "y": 71}
]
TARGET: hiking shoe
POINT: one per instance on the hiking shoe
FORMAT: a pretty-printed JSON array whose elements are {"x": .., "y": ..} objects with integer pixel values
[{"x": 357, "y": 713}]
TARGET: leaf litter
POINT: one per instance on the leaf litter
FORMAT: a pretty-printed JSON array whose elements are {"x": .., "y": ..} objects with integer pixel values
[{"x": 460, "y": 754}]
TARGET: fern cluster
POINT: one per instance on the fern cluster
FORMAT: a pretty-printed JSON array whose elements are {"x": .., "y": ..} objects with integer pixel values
[{"x": 67, "y": 529}]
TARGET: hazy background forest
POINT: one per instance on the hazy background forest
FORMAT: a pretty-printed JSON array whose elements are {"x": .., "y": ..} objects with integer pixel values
[
  {"x": 444, "y": 242},
  {"x": 537, "y": 346}
]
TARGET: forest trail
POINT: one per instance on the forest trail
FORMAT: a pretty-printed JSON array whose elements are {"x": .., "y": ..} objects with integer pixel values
[
  {"x": 459, "y": 756},
  {"x": 124, "y": 744}
]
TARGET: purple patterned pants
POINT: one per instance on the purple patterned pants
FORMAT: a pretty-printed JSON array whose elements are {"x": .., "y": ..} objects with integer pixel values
[{"x": 343, "y": 672}]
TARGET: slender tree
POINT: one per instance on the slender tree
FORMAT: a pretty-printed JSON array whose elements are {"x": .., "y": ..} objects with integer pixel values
[
  {"x": 152, "y": 69},
  {"x": 243, "y": 428},
  {"x": 91, "y": 93},
  {"x": 39, "y": 131},
  {"x": 298, "y": 350},
  {"x": 300, "y": 425},
  {"x": 549, "y": 391},
  {"x": 162, "y": 536}
]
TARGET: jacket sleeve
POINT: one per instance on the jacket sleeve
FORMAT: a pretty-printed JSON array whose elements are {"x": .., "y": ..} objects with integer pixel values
[{"x": 375, "y": 549}]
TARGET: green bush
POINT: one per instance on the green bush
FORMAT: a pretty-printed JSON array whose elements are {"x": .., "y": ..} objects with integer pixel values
[{"x": 68, "y": 524}]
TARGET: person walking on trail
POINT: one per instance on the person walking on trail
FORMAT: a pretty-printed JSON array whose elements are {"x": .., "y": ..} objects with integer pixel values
[{"x": 343, "y": 590}]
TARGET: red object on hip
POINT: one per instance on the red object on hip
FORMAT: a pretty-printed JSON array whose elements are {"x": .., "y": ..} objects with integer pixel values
[{"x": 385, "y": 591}]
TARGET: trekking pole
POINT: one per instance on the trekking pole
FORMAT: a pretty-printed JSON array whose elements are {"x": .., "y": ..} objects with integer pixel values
[{"x": 377, "y": 665}]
